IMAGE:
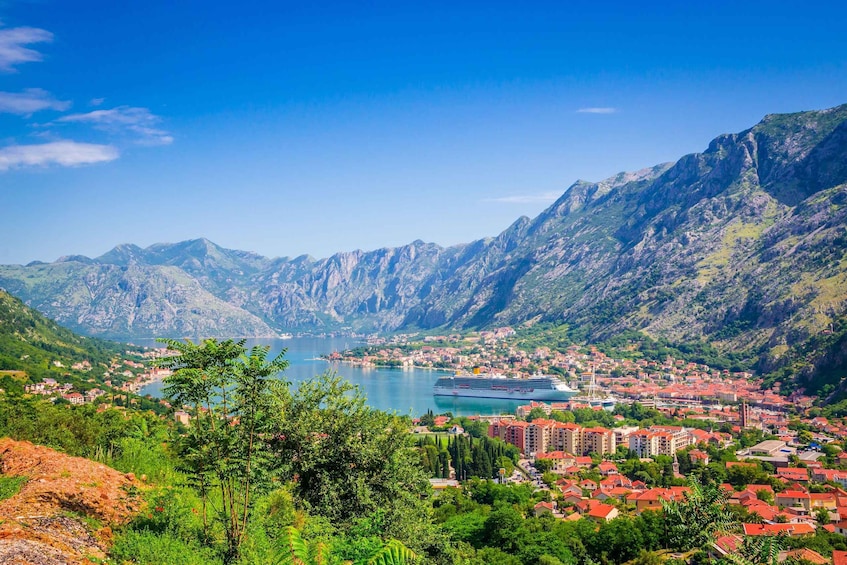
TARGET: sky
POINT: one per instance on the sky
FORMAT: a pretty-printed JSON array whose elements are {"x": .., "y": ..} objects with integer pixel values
[{"x": 291, "y": 128}]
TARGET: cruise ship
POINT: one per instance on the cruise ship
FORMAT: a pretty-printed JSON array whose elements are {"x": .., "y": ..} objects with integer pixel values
[{"x": 537, "y": 387}]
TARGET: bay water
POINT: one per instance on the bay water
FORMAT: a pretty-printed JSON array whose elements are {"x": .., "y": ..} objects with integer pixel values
[{"x": 406, "y": 391}]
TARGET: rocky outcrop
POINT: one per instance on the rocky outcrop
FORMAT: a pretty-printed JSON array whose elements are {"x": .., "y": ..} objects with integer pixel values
[{"x": 50, "y": 520}]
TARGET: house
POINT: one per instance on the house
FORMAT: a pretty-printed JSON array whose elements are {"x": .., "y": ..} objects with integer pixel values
[
  {"x": 759, "y": 488},
  {"x": 603, "y": 513},
  {"x": 793, "y": 474},
  {"x": 607, "y": 468},
  {"x": 829, "y": 475},
  {"x": 724, "y": 545},
  {"x": 93, "y": 394},
  {"x": 698, "y": 457},
  {"x": 584, "y": 461},
  {"x": 74, "y": 398},
  {"x": 822, "y": 500},
  {"x": 588, "y": 485},
  {"x": 839, "y": 557},
  {"x": 616, "y": 481},
  {"x": 803, "y": 555},
  {"x": 791, "y": 530},
  {"x": 794, "y": 499},
  {"x": 585, "y": 505},
  {"x": 544, "y": 508},
  {"x": 767, "y": 512},
  {"x": 561, "y": 460},
  {"x": 571, "y": 498},
  {"x": 652, "y": 499},
  {"x": 617, "y": 493}
]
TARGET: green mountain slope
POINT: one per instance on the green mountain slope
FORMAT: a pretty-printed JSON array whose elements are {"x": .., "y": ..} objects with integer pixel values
[{"x": 31, "y": 343}]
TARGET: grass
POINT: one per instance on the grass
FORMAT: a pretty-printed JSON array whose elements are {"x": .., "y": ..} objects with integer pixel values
[
  {"x": 10, "y": 486},
  {"x": 152, "y": 548}
]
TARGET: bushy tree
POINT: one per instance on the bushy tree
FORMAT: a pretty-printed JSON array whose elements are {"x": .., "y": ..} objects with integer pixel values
[
  {"x": 230, "y": 392},
  {"x": 347, "y": 461}
]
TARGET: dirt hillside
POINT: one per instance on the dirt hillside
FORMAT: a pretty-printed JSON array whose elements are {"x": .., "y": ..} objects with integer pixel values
[{"x": 66, "y": 509}]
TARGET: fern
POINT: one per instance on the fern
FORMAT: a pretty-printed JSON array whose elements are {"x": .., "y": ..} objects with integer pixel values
[{"x": 394, "y": 553}]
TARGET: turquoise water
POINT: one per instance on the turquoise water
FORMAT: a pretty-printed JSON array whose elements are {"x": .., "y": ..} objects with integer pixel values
[{"x": 406, "y": 391}]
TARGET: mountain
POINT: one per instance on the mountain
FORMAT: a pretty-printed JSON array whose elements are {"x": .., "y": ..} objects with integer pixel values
[
  {"x": 32, "y": 343},
  {"x": 129, "y": 292},
  {"x": 742, "y": 244}
]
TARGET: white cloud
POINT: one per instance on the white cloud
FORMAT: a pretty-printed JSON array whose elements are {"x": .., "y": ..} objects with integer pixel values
[
  {"x": 65, "y": 153},
  {"x": 597, "y": 110},
  {"x": 544, "y": 198},
  {"x": 96, "y": 101},
  {"x": 139, "y": 122},
  {"x": 12, "y": 46},
  {"x": 30, "y": 101}
]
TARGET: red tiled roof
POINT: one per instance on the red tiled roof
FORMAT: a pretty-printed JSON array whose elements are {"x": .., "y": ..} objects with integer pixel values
[
  {"x": 601, "y": 510},
  {"x": 807, "y": 555},
  {"x": 773, "y": 529}
]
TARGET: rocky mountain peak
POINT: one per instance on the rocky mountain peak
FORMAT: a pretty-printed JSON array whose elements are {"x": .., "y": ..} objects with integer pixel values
[{"x": 696, "y": 249}]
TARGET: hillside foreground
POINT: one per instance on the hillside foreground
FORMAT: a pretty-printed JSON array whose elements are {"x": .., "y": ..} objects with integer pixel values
[{"x": 65, "y": 511}]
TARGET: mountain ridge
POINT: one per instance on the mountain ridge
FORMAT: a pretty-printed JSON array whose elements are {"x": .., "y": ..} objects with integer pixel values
[{"x": 742, "y": 244}]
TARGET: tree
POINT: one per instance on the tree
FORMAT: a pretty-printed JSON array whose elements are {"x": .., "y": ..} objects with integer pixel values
[
  {"x": 347, "y": 461},
  {"x": 535, "y": 414},
  {"x": 544, "y": 465},
  {"x": 230, "y": 392},
  {"x": 560, "y": 416},
  {"x": 693, "y": 521},
  {"x": 822, "y": 516}
]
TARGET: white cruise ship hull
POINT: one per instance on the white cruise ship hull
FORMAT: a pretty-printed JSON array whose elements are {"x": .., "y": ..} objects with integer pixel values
[
  {"x": 515, "y": 394},
  {"x": 539, "y": 387}
]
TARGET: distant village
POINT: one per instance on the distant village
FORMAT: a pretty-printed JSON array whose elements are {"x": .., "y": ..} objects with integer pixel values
[
  {"x": 122, "y": 376},
  {"x": 671, "y": 381}
]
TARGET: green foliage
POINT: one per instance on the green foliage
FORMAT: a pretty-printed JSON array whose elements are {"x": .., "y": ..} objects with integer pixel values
[
  {"x": 633, "y": 344},
  {"x": 155, "y": 548},
  {"x": 141, "y": 456},
  {"x": 498, "y": 521},
  {"x": 294, "y": 550},
  {"x": 535, "y": 414},
  {"x": 83, "y": 431},
  {"x": 30, "y": 342},
  {"x": 230, "y": 392},
  {"x": 694, "y": 520},
  {"x": 762, "y": 550},
  {"x": 347, "y": 461},
  {"x": 10, "y": 486}
]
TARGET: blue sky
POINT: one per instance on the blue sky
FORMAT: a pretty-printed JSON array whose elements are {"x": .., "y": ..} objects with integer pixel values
[{"x": 290, "y": 128}]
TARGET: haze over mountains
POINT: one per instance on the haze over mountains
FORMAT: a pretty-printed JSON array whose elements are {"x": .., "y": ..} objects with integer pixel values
[{"x": 743, "y": 244}]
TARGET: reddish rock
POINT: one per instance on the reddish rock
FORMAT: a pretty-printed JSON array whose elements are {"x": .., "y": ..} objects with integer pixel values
[{"x": 38, "y": 525}]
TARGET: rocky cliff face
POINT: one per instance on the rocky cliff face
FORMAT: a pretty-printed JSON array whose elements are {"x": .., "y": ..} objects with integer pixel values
[{"x": 743, "y": 244}]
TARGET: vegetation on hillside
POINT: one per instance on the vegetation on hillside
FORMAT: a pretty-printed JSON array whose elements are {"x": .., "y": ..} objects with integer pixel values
[{"x": 41, "y": 348}]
